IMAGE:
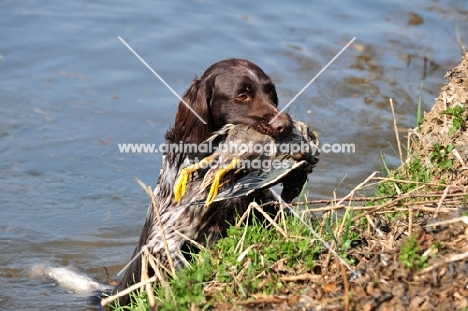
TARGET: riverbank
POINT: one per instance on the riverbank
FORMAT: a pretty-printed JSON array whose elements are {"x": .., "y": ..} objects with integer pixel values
[{"x": 402, "y": 240}]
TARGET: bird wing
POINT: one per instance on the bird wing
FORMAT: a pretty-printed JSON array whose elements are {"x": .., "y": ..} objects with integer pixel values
[{"x": 258, "y": 180}]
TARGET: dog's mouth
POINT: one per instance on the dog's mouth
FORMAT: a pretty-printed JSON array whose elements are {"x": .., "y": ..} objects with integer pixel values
[{"x": 264, "y": 128}]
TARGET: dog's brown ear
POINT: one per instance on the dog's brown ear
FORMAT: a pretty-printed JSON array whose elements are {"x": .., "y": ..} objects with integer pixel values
[{"x": 188, "y": 127}]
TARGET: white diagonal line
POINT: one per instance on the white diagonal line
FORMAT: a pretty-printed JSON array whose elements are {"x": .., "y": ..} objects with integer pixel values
[
  {"x": 313, "y": 79},
  {"x": 131, "y": 260},
  {"x": 161, "y": 79}
]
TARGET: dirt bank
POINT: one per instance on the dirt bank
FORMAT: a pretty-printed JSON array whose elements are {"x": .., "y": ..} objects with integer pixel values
[
  {"x": 445, "y": 125},
  {"x": 428, "y": 271},
  {"x": 412, "y": 244}
]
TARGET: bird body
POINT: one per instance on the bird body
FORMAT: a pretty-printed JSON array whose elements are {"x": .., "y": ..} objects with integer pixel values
[{"x": 247, "y": 160}]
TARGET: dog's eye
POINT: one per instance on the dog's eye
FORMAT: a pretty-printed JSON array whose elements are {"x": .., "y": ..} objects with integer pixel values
[{"x": 242, "y": 96}]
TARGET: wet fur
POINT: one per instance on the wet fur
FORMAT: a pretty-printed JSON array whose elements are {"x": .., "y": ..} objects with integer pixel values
[{"x": 231, "y": 91}]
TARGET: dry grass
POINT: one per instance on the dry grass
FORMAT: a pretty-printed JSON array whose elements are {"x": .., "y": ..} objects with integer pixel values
[{"x": 398, "y": 242}]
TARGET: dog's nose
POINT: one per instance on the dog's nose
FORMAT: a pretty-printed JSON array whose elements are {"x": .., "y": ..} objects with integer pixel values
[{"x": 282, "y": 125}]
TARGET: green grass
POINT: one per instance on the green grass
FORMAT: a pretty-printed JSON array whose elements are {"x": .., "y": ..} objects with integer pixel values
[
  {"x": 412, "y": 170},
  {"x": 410, "y": 255},
  {"x": 440, "y": 156},
  {"x": 458, "y": 121},
  {"x": 348, "y": 234},
  {"x": 236, "y": 270}
]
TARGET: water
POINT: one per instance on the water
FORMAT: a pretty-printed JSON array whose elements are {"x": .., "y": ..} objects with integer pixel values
[{"x": 70, "y": 91}]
